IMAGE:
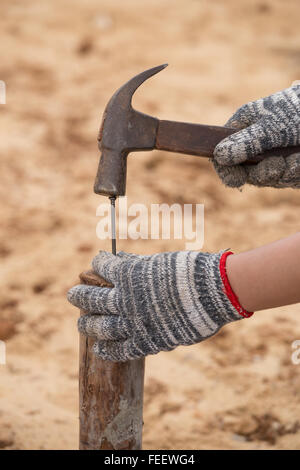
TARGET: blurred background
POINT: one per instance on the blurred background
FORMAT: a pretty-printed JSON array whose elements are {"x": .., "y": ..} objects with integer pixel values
[{"x": 62, "y": 61}]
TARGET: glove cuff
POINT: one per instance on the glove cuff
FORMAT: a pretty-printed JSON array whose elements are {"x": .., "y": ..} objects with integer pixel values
[{"x": 216, "y": 296}]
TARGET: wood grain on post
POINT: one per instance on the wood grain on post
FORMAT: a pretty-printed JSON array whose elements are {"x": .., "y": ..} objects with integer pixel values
[{"x": 110, "y": 395}]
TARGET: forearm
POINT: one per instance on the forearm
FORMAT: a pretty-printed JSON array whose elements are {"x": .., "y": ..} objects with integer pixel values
[{"x": 268, "y": 276}]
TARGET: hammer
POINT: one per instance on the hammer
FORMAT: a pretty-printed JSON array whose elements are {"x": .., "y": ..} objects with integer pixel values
[
  {"x": 126, "y": 130},
  {"x": 111, "y": 395}
]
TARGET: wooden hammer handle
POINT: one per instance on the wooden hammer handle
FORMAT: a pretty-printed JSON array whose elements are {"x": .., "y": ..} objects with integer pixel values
[
  {"x": 110, "y": 395},
  {"x": 201, "y": 140}
]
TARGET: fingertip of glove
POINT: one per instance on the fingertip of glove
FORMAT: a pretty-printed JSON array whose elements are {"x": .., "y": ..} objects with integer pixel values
[
  {"x": 267, "y": 172},
  {"x": 232, "y": 177},
  {"x": 81, "y": 324},
  {"x": 72, "y": 293},
  {"x": 123, "y": 255},
  {"x": 220, "y": 152},
  {"x": 102, "y": 254},
  {"x": 99, "y": 350},
  {"x": 101, "y": 257},
  {"x": 228, "y": 152},
  {"x": 234, "y": 123}
]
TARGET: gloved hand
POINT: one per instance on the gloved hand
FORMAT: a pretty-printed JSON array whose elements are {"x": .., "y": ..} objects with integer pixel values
[
  {"x": 267, "y": 123},
  {"x": 158, "y": 302}
]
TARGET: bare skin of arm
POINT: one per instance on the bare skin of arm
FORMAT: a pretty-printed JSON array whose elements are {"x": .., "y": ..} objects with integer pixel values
[{"x": 267, "y": 277}]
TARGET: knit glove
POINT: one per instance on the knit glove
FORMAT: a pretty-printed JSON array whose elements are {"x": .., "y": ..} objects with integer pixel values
[
  {"x": 158, "y": 302},
  {"x": 264, "y": 124}
]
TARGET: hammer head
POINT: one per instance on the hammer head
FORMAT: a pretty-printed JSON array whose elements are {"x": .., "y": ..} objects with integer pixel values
[{"x": 123, "y": 130}]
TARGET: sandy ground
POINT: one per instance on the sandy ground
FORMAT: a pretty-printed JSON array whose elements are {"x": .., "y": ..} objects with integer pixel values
[{"x": 61, "y": 61}]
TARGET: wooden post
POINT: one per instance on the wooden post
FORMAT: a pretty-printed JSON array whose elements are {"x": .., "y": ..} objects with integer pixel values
[{"x": 110, "y": 396}]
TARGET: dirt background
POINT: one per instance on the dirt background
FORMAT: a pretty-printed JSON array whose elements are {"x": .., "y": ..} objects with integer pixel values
[{"x": 61, "y": 61}]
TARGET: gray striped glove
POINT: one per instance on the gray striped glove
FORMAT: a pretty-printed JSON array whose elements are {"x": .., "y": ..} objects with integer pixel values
[
  {"x": 158, "y": 302},
  {"x": 265, "y": 124}
]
